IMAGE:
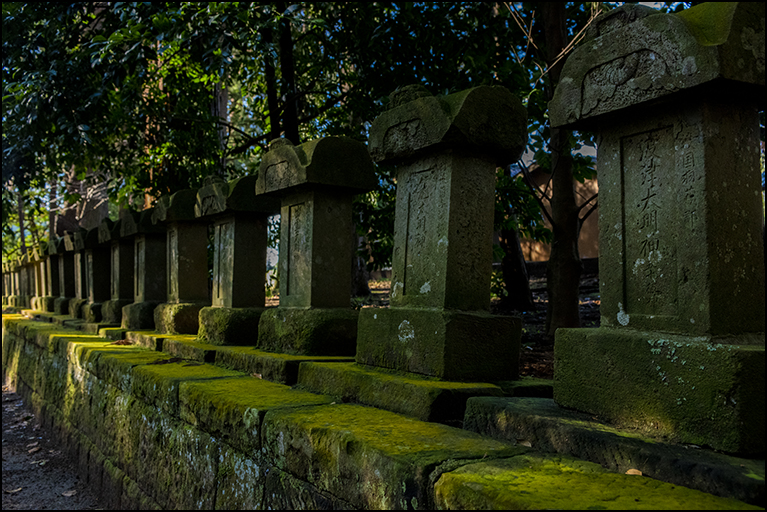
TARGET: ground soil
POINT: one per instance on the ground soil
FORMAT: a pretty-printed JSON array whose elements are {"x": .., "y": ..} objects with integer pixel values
[{"x": 37, "y": 475}]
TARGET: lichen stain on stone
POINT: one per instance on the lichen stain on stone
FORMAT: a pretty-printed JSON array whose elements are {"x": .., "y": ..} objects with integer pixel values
[
  {"x": 406, "y": 332},
  {"x": 426, "y": 288},
  {"x": 623, "y": 317}
]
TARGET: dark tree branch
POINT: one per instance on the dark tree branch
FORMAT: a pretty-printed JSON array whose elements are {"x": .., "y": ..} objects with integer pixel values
[{"x": 535, "y": 191}]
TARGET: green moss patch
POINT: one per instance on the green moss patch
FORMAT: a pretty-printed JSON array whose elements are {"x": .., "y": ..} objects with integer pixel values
[
  {"x": 321, "y": 331},
  {"x": 281, "y": 368},
  {"x": 370, "y": 458},
  {"x": 229, "y": 326},
  {"x": 234, "y": 408},
  {"x": 549, "y": 428},
  {"x": 535, "y": 481},
  {"x": 423, "y": 398},
  {"x": 158, "y": 383},
  {"x": 695, "y": 390}
]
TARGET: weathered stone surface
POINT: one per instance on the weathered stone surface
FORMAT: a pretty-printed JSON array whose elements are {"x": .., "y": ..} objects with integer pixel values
[
  {"x": 665, "y": 263},
  {"x": 285, "y": 492},
  {"x": 322, "y": 332},
  {"x": 239, "y": 261},
  {"x": 701, "y": 390},
  {"x": 425, "y": 399},
  {"x": 229, "y": 326},
  {"x": 549, "y": 428},
  {"x": 440, "y": 343},
  {"x": 158, "y": 384},
  {"x": 535, "y": 481},
  {"x": 485, "y": 120},
  {"x": 139, "y": 315},
  {"x": 240, "y": 480},
  {"x": 221, "y": 197},
  {"x": 369, "y": 458},
  {"x": 635, "y": 55},
  {"x": 340, "y": 163},
  {"x": 280, "y": 368},
  {"x": 177, "y": 318},
  {"x": 674, "y": 101},
  {"x": 111, "y": 310},
  {"x": 233, "y": 409}
]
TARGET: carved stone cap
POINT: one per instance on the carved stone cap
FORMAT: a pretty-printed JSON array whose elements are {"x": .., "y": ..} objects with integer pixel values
[
  {"x": 109, "y": 230},
  {"x": 40, "y": 251},
  {"x": 87, "y": 239},
  {"x": 55, "y": 246},
  {"x": 338, "y": 162},
  {"x": 636, "y": 55},
  {"x": 177, "y": 207},
  {"x": 238, "y": 195},
  {"x": 139, "y": 223},
  {"x": 70, "y": 240},
  {"x": 488, "y": 120}
]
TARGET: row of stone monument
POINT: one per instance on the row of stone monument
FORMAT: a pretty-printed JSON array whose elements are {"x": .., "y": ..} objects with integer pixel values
[{"x": 674, "y": 103}]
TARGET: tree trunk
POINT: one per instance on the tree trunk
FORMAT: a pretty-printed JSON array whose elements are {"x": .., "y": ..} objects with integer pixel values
[
  {"x": 563, "y": 272},
  {"x": 287, "y": 67},
  {"x": 272, "y": 96},
  {"x": 515, "y": 279}
]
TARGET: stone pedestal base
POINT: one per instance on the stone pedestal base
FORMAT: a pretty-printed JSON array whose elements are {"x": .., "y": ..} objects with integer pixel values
[
  {"x": 92, "y": 312},
  {"x": 178, "y": 318},
  {"x": 316, "y": 332},
  {"x": 702, "y": 390},
  {"x": 139, "y": 315},
  {"x": 419, "y": 397},
  {"x": 43, "y": 303},
  {"x": 112, "y": 310},
  {"x": 450, "y": 345},
  {"x": 76, "y": 307},
  {"x": 229, "y": 326},
  {"x": 61, "y": 305}
]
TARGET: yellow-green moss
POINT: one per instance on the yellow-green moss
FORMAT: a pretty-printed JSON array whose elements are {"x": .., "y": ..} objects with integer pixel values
[
  {"x": 233, "y": 408},
  {"x": 421, "y": 397},
  {"x": 536, "y": 481}
]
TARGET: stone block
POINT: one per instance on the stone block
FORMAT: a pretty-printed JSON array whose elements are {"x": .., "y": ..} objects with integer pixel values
[
  {"x": 371, "y": 459},
  {"x": 536, "y": 481},
  {"x": 702, "y": 390},
  {"x": 229, "y": 326},
  {"x": 451, "y": 345},
  {"x": 546, "y": 427},
  {"x": 139, "y": 315},
  {"x": 308, "y": 331},
  {"x": 635, "y": 55},
  {"x": 177, "y": 318},
  {"x": 232, "y": 409},
  {"x": 422, "y": 398},
  {"x": 280, "y": 368}
]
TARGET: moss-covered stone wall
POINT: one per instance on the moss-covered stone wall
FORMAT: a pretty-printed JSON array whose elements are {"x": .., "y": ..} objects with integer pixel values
[{"x": 153, "y": 430}]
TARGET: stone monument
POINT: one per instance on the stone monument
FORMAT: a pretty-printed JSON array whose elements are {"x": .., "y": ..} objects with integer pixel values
[
  {"x": 187, "y": 264},
  {"x": 674, "y": 100},
  {"x": 97, "y": 265},
  {"x": 446, "y": 150},
  {"x": 121, "y": 270},
  {"x": 240, "y": 222},
  {"x": 149, "y": 288},
  {"x": 316, "y": 182},
  {"x": 66, "y": 264},
  {"x": 75, "y": 309}
]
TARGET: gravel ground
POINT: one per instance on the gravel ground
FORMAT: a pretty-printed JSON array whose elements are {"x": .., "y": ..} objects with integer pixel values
[{"x": 36, "y": 474}]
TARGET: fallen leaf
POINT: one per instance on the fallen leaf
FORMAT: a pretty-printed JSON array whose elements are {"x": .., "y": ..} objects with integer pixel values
[
  {"x": 121, "y": 342},
  {"x": 522, "y": 442},
  {"x": 33, "y": 450},
  {"x": 256, "y": 375},
  {"x": 15, "y": 490},
  {"x": 32, "y": 445},
  {"x": 69, "y": 493},
  {"x": 634, "y": 472}
]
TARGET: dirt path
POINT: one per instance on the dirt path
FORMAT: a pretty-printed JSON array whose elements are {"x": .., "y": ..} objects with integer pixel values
[{"x": 36, "y": 474}]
